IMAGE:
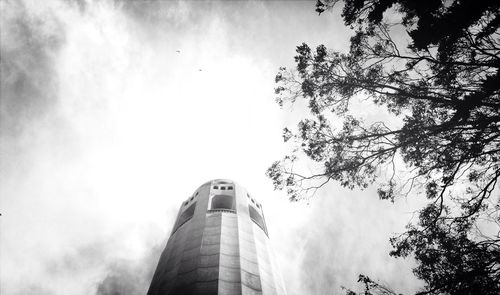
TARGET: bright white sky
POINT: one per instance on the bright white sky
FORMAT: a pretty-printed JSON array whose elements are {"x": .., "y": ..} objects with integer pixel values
[{"x": 106, "y": 129}]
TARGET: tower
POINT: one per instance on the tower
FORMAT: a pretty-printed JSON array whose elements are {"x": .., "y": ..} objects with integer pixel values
[{"x": 218, "y": 245}]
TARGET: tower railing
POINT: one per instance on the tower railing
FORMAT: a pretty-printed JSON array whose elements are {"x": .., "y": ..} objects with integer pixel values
[{"x": 221, "y": 210}]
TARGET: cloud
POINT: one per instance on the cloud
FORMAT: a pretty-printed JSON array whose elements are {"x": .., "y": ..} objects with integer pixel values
[
  {"x": 130, "y": 277},
  {"x": 33, "y": 289},
  {"x": 30, "y": 39},
  {"x": 121, "y": 280},
  {"x": 105, "y": 129},
  {"x": 340, "y": 235}
]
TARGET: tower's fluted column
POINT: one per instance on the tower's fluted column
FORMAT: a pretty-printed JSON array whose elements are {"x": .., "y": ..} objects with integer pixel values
[{"x": 219, "y": 245}]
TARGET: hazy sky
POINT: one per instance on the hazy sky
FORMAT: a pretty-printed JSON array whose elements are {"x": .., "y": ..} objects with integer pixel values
[{"x": 113, "y": 113}]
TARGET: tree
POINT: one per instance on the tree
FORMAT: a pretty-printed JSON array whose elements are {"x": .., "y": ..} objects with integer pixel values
[
  {"x": 371, "y": 287},
  {"x": 444, "y": 86}
]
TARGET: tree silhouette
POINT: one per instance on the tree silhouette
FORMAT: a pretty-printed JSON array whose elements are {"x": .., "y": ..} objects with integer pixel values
[
  {"x": 444, "y": 86},
  {"x": 371, "y": 287}
]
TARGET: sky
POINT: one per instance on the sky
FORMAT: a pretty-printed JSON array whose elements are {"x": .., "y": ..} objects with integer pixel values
[{"x": 114, "y": 112}]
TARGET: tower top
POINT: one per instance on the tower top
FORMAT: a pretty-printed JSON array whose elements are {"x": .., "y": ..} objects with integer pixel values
[{"x": 218, "y": 245}]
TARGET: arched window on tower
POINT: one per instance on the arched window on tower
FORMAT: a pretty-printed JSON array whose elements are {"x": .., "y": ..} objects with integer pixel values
[{"x": 222, "y": 202}]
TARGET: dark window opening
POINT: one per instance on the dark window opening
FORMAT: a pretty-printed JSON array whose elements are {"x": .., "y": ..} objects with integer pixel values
[
  {"x": 229, "y": 187},
  {"x": 257, "y": 218},
  {"x": 186, "y": 215},
  {"x": 223, "y": 188},
  {"x": 216, "y": 187},
  {"x": 222, "y": 202}
]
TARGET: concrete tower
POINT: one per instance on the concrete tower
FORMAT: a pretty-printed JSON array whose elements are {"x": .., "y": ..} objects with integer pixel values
[{"x": 219, "y": 245}]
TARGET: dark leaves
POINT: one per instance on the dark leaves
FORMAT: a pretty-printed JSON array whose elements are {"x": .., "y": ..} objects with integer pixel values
[
  {"x": 287, "y": 134},
  {"x": 445, "y": 89},
  {"x": 303, "y": 58}
]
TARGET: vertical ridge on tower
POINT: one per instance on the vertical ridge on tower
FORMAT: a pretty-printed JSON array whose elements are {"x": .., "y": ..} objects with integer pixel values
[{"x": 219, "y": 245}]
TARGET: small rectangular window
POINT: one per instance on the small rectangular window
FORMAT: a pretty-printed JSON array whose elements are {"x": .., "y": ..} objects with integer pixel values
[
  {"x": 229, "y": 187},
  {"x": 216, "y": 187},
  {"x": 223, "y": 188}
]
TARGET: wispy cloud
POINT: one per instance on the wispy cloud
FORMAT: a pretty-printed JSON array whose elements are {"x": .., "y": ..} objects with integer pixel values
[
  {"x": 107, "y": 124},
  {"x": 31, "y": 37}
]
